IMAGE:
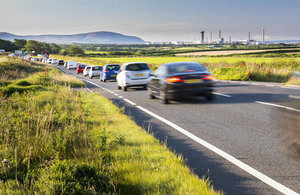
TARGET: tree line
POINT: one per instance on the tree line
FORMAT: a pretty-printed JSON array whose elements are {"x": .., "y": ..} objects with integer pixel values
[{"x": 38, "y": 47}]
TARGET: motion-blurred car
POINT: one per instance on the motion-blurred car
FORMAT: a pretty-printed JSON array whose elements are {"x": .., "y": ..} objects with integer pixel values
[
  {"x": 61, "y": 62},
  {"x": 95, "y": 71},
  {"x": 133, "y": 74},
  {"x": 109, "y": 72},
  {"x": 86, "y": 70},
  {"x": 80, "y": 68},
  {"x": 179, "y": 80}
]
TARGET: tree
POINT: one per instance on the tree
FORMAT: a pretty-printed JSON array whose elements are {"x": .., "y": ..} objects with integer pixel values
[
  {"x": 20, "y": 43},
  {"x": 33, "y": 45},
  {"x": 44, "y": 47},
  {"x": 75, "y": 50},
  {"x": 54, "y": 48},
  {"x": 7, "y": 45}
]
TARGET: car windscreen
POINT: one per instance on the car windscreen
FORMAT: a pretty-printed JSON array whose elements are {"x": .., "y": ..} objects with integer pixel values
[
  {"x": 112, "y": 67},
  {"x": 183, "y": 68},
  {"x": 97, "y": 68},
  {"x": 137, "y": 67},
  {"x": 81, "y": 66}
]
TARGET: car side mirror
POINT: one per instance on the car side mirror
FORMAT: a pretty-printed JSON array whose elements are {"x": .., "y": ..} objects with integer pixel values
[{"x": 153, "y": 75}]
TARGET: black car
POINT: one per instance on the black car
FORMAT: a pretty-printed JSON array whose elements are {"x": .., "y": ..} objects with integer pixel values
[
  {"x": 179, "y": 80},
  {"x": 60, "y": 62}
]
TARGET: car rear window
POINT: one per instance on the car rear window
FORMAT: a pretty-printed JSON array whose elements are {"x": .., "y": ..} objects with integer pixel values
[
  {"x": 186, "y": 68},
  {"x": 97, "y": 68},
  {"x": 112, "y": 67},
  {"x": 81, "y": 66},
  {"x": 137, "y": 67}
]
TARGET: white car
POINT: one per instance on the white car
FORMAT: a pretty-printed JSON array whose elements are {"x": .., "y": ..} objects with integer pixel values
[
  {"x": 71, "y": 65},
  {"x": 133, "y": 74},
  {"x": 86, "y": 70},
  {"x": 54, "y": 61},
  {"x": 95, "y": 71},
  {"x": 34, "y": 59},
  {"x": 44, "y": 60},
  {"x": 49, "y": 61}
]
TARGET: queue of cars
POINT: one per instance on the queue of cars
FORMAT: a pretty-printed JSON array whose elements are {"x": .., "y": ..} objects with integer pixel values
[{"x": 171, "y": 81}]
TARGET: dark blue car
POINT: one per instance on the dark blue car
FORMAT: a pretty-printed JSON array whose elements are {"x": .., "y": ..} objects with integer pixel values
[{"x": 109, "y": 72}]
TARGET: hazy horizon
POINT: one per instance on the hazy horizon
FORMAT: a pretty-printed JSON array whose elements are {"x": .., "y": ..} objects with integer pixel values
[{"x": 154, "y": 20}]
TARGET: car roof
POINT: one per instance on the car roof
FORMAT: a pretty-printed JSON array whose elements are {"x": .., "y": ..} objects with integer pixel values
[
  {"x": 181, "y": 63},
  {"x": 128, "y": 63}
]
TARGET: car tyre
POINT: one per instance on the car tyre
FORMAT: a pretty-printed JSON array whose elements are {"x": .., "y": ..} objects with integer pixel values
[
  {"x": 210, "y": 97},
  {"x": 150, "y": 93},
  {"x": 124, "y": 88},
  {"x": 104, "y": 80},
  {"x": 163, "y": 97},
  {"x": 118, "y": 86}
]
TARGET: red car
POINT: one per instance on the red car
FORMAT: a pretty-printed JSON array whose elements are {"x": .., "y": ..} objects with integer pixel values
[{"x": 80, "y": 68}]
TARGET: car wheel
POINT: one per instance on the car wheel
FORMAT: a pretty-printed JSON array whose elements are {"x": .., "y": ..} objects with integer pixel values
[
  {"x": 210, "y": 97},
  {"x": 124, "y": 88},
  {"x": 91, "y": 77},
  {"x": 150, "y": 93},
  {"x": 145, "y": 87},
  {"x": 118, "y": 86},
  {"x": 163, "y": 97},
  {"x": 104, "y": 80}
]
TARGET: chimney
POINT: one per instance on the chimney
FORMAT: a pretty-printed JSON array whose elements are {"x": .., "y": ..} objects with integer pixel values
[
  {"x": 202, "y": 37},
  {"x": 263, "y": 35},
  {"x": 220, "y": 34}
]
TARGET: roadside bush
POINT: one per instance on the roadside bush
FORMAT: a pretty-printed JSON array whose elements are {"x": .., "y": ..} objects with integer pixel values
[{"x": 231, "y": 73}]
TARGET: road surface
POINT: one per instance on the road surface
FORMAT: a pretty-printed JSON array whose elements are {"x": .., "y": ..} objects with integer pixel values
[{"x": 243, "y": 141}]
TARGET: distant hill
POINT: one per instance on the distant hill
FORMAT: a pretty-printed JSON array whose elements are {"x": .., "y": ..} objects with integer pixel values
[{"x": 101, "y": 37}]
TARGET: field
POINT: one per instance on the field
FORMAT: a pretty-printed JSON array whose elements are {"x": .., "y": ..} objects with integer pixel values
[
  {"x": 59, "y": 140},
  {"x": 231, "y": 52},
  {"x": 273, "y": 69}
]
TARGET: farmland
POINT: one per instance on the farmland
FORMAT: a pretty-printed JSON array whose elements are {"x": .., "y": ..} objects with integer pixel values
[{"x": 273, "y": 69}]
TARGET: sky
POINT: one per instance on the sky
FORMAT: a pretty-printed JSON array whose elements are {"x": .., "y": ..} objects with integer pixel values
[{"x": 155, "y": 20}]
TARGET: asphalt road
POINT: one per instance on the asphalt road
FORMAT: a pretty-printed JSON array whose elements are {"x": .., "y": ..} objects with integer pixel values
[{"x": 254, "y": 126}]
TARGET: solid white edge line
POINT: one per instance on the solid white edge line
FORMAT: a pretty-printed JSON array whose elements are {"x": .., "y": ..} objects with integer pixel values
[
  {"x": 130, "y": 102},
  {"x": 221, "y": 94},
  {"x": 294, "y": 97},
  {"x": 225, "y": 155},
  {"x": 277, "y": 105}
]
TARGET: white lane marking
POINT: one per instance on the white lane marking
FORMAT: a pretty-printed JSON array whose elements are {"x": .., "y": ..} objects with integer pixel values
[
  {"x": 221, "y": 94},
  {"x": 91, "y": 83},
  {"x": 288, "y": 87},
  {"x": 281, "y": 188},
  {"x": 120, "y": 96},
  {"x": 294, "y": 97},
  {"x": 277, "y": 105},
  {"x": 270, "y": 85},
  {"x": 130, "y": 102}
]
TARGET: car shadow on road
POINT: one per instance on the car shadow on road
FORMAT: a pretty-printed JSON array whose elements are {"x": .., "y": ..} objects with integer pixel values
[{"x": 200, "y": 160}]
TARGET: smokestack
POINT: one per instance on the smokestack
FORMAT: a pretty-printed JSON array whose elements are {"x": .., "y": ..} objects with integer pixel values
[
  {"x": 249, "y": 37},
  {"x": 211, "y": 37},
  {"x": 202, "y": 37},
  {"x": 263, "y": 35},
  {"x": 220, "y": 34},
  {"x": 230, "y": 39}
]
